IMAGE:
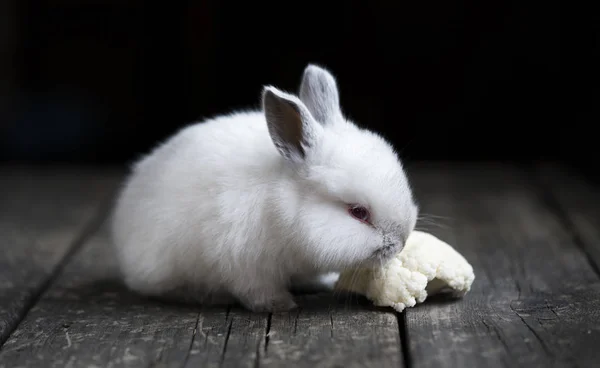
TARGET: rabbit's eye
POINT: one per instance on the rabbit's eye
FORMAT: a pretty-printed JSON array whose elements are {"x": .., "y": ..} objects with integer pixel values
[{"x": 360, "y": 213}]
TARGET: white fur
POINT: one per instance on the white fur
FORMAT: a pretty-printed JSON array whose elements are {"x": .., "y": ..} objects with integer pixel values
[{"x": 219, "y": 208}]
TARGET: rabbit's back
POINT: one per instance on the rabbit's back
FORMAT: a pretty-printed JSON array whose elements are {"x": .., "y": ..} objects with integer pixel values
[{"x": 196, "y": 187}]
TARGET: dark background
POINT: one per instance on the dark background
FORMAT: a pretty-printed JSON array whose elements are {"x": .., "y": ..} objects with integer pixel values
[{"x": 102, "y": 81}]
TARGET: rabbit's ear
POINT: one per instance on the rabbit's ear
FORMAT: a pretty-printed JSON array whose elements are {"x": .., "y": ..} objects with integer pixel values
[
  {"x": 291, "y": 126},
  {"x": 319, "y": 92}
]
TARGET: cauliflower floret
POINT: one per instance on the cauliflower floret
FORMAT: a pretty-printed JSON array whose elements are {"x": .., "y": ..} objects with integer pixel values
[{"x": 425, "y": 266}]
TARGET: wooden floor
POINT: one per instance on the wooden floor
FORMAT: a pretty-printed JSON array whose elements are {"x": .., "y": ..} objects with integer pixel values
[{"x": 532, "y": 235}]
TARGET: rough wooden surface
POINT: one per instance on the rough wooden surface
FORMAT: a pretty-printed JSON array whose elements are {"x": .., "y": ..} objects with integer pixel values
[
  {"x": 331, "y": 331},
  {"x": 535, "y": 300},
  {"x": 87, "y": 319},
  {"x": 578, "y": 202},
  {"x": 43, "y": 214},
  {"x": 532, "y": 237},
  {"x": 234, "y": 341}
]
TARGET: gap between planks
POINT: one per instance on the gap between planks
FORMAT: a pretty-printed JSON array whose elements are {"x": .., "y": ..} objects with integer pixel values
[
  {"x": 404, "y": 339},
  {"x": 86, "y": 233}
]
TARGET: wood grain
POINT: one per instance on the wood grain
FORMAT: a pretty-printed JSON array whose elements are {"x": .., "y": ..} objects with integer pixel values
[
  {"x": 44, "y": 213},
  {"x": 88, "y": 319},
  {"x": 535, "y": 300},
  {"x": 229, "y": 337},
  {"x": 334, "y": 331},
  {"x": 578, "y": 202}
]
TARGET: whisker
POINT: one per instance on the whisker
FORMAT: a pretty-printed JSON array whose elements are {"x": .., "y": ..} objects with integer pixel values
[
  {"x": 353, "y": 281},
  {"x": 349, "y": 294},
  {"x": 427, "y": 215},
  {"x": 427, "y": 227},
  {"x": 426, "y": 222}
]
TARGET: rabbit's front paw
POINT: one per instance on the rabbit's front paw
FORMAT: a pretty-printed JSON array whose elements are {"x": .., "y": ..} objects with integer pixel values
[{"x": 269, "y": 302}]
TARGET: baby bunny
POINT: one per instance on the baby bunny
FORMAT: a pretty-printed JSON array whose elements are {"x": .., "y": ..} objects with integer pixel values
[{"x": 245, "y": 204}]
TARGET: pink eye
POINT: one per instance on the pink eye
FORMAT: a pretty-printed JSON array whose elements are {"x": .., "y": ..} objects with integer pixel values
[{"x": 360, "y": 213}]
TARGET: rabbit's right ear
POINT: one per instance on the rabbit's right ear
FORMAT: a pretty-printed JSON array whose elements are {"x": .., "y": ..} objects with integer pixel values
[
  {"x": 292, "y": 128},
  {"x": 319, "y": 92}
]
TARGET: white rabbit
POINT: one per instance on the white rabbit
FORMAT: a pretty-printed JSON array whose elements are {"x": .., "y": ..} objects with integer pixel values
[{"x": 242, "y": 204}]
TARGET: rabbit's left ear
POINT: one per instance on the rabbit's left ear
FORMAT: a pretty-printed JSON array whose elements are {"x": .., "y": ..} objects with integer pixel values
[
  {"x": 292, "y": 128},
  {"x": 319, "y": 92}
]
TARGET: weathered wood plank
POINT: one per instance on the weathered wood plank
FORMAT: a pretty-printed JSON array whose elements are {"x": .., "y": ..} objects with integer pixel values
[
  {"x": 535, "y": 301},
  {"x": 334, "y": 331},
  {"x": 579, "y": 201},
  {"x": 88, "y": 319},
  {"x": 247, "y": 331},
  {"x": 230, "y": 337},
  {"x": 44, "y": 212}
]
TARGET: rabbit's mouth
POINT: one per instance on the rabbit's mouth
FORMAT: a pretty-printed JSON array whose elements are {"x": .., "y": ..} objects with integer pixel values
[{"x": 387, "y": 252}]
